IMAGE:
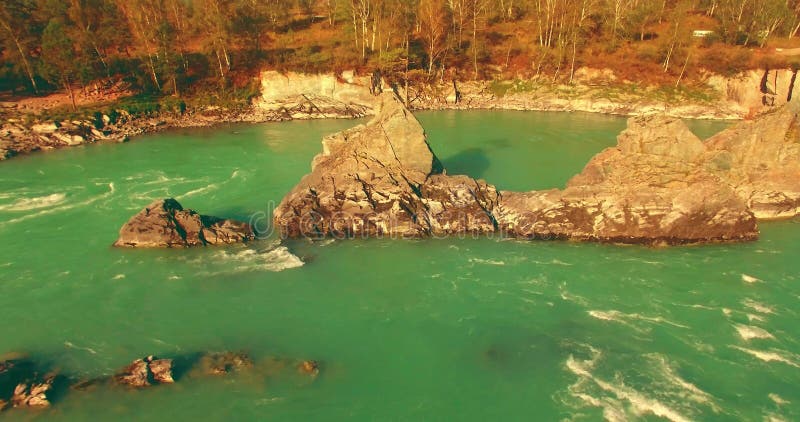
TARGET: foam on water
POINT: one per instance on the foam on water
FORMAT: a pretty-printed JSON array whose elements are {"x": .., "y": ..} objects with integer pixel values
[
  {"x": 278, "y": 258},
  {"x": 780, "y": 401},
  {"x": 486, "y": 261},
  {"x": 758, "y": 307},
  {"x": 771, "y": 356},
  {"x": 749, "y": 332},
  {"x": 750, "y": 279},
  {"x": 61, "y": 208},
  {"x": 616, "y": 393},
  {"x": 617, "y": 316},
  {"x": 26, "y": 204}
]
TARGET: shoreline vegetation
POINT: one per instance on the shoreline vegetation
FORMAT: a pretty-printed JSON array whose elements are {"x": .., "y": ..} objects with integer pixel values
[{"x": 85, "y": 71}]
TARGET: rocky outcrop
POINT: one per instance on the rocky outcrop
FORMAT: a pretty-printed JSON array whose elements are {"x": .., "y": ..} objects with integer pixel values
[
  {"x": 313, "y": 96},
  {"x": 381, "y": 179},
  {"x": 145, "y": 373},
  {"x": 652, "y": 187},
  {"x": 164, "y": 223},
  {"x": 367, "y": 180}
]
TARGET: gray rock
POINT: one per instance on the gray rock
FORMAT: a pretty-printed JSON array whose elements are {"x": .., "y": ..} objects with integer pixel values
[{"x": 164, "y": 223}]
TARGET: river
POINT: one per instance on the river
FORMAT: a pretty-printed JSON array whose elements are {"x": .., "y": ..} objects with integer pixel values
[{"x": 440, "y": 329}]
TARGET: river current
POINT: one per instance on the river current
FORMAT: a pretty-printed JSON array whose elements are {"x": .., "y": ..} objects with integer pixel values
[{"x": 439, "y": 329}]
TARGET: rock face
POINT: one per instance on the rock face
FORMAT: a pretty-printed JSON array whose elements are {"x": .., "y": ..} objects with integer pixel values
[
  {"x": 165, "y": 223},
  {"x": 660, "y": 184},
  {"x": 146, "y": 372},
  {"x": 314, "y": 96},
  {"x": 760, "y": 159}
]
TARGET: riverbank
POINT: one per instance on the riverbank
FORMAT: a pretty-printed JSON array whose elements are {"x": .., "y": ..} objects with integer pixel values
[{"x": 292, "y": 96}]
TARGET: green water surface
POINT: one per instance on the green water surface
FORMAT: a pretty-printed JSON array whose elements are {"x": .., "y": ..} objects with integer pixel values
[{"x": 453, "y": 329}]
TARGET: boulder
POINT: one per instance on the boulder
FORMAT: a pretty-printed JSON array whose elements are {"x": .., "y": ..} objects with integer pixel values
[
  {"x": 164, "y": 223},
  {"x": 145, "y": 373}
]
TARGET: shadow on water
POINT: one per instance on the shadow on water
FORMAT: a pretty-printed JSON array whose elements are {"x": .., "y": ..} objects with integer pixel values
[{"x": 472, "y": 162}]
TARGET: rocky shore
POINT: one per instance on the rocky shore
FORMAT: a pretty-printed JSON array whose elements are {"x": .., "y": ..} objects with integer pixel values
[
  {"x": 346, "y": 95},
  {"x": 660, "y": 185}
]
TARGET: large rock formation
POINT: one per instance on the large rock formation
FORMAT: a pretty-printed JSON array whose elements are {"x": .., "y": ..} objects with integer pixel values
[
  {"x": 165, "y": 223},
  {"x": 656, "y": 186},
  {"x": 652, "y": 187}
]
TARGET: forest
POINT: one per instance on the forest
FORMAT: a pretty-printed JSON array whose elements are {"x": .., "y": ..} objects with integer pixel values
[{"x": 185, "y": 47}]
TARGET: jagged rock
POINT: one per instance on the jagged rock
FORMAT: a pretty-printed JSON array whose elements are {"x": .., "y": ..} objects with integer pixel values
[
  {"x": 164, "y": 223},
  {"x": 145, "y": 373},
  {"x": 382, "y": 179},
  {"x": 367, "y": 180},
  {"x": 33, "y": 394}
]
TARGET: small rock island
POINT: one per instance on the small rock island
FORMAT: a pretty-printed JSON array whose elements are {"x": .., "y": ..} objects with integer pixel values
[{"x": 165, "y": 224}]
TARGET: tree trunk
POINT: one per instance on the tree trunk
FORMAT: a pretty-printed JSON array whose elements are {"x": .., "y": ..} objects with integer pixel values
[
  {"x": 68, "y": 85},
  {"x": 25, "y": 62}
]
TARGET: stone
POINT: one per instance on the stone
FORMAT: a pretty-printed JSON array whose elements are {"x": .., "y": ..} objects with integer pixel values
[
  {"x": 33, "y": 394},
  {"x": 164, "y": 223},
  {"x": 145, "y": 373},
  {"x": 134, "y": 375}
]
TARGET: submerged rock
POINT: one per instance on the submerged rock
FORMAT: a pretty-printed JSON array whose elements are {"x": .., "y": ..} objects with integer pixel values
[
  {"x": 310, "y": 367},
  {"x": 145, "y": 373},
  {"x": 22, "y": 386},
  {"x": 382, "y": 179},
  {"x": 223, "y": 363},
  {"x": 164, "y": 223}
]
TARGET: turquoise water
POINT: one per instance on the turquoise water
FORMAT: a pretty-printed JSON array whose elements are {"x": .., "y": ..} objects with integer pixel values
[{"x": 454, "y": 329}]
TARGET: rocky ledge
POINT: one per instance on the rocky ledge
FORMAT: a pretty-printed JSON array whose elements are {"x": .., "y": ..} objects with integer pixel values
[
  {"x": 660, "y": 184},
  {"x": 165, "y": 224}
]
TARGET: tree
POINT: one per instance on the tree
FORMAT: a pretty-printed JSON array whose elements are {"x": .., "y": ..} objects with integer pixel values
[
  {"x": 17, "y": 37},
  {"x": 432, "y": 28},
  {"x": 58, "y": 57}
]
